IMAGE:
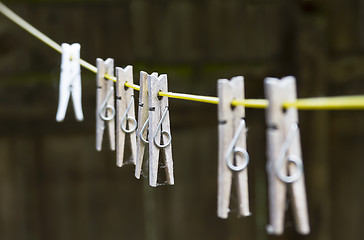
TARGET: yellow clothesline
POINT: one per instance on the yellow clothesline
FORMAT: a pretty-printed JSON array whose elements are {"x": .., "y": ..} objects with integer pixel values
[
  {"x": 322, "y": 103},
  {"x": 328, "y": 103}
]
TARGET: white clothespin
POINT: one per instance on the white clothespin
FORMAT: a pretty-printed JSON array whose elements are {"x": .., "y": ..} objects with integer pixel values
[
  {"x": 143, "y": 121},
  {"x": 284, "y": 166},
  {"x": 233, "y": 157},
  {"x": 125, "y": 111},
  {"x": 105, "y": 106},
  {"x": 70, "y": 81},
  {"x": 159, "y": 136}
]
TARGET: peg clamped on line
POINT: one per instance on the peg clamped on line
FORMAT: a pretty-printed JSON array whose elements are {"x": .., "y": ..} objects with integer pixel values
[
  {"x": 70, "y": 82},
  {"x": 159, "y": 136},
  {"x": 126, "y": 123},
  {"x": 105, "y": 105},
  {"x": 284, "y": 166},
  {"x": 233, "y": 157},
  {"x": 143, "y": 120}
]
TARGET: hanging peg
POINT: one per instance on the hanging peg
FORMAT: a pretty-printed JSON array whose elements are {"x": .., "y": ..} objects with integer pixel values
[
  {"x": 126, "y": 123},
  {"x": 233, "y": 157},
  {"x": 143, "y": 121},
  {"x": 105, "y": 106},
  {"x": 159, "y": 136},
  {"x": 70, "y": 81},
  {"x": 284, "y": 166}
]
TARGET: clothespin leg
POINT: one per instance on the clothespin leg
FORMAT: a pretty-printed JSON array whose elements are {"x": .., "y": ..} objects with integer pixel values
[
  {"x": 277, "y": 189},
  {"x": 111, "y": 125},
  {"x": 76, "y": 98},
  {"x": 133, "y": 138},
  {"x": 242, "y": 177},
  {"x": 100, "y": 125},
  {"x": 120, "y": 135},
  {"x": 64, "y": 96},
  {"x": 298, "y": 192},
  {"x": 167, "y": 152},
  {"x": 153, "y": 149},
  {"x": 224, "y": 174},
  {"x": 140, "y": 150}
]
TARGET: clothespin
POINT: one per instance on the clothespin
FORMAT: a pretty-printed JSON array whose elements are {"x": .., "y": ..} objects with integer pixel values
[
  {"x": 143, "y": 121},
  {"x": 70, "y": 81},
  {"x": 105, "y": 108},
  {"x": 159, "y": 136},
  {"x": 233, "y": 156},
  {"x": 125, "y": 112},
  {"x": 284, "y": 166}
]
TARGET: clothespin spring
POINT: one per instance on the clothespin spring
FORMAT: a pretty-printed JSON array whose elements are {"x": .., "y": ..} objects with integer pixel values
[
  {"x": 292, "y": 159},
  {"x": 142, "y": 131},
  {"x": 127, "y": 118},
  {"x": 163, "y": 132},
  {"x": 237, "y": 150},
  {"x": 105, "y": 107}
]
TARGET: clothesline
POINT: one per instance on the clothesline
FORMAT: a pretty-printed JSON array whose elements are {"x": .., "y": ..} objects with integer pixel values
[{"x": 321, "y": 103}]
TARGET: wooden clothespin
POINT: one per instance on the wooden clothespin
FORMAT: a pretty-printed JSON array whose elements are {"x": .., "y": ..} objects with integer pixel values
[
  {"x": 70, "y": 81},
  {"x": 105, "y": 105},
  {"x": 159, "y": 136},
  {"x": 233, "y": 157},
  {"x": 143, "y": 121},
  {"x": 284, "y": 166},
  {"x": 125, "y": 114}
]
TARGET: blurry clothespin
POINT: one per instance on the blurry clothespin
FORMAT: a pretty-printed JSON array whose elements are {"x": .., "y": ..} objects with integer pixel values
[
  {"x": 70, "y": 81},
  {"x": 159, "y": 136},
  {"x": 143, "y": 121},
  {"x": 233, "y": 157},
  {"x": 126, "y": 123},
  {"x": 284, "y": 166},
  {"x": 105, "y": 105}
]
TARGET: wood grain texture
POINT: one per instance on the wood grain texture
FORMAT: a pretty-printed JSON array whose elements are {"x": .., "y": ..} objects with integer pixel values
[
  {"x": 279, "y": 123},
  {"x": 143, "y": 113},
  {"x": 229, "y": 120},
  {"x": 124, "y": 97},
  {"x": 156, "y": 109},
  {"x": 102, "y": 88}
]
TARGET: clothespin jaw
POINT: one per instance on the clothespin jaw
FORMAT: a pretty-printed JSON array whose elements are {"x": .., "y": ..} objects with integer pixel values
[
  {"x": 105, "y": 105},
  {"x": 143, "y": 120},
  {"x": 126, "y": 123},
  {"x": 159, "y": 136},
  {"x": 233, "y": 157},
  {"x": 284, "y": 166},
  {"x": 70, "y": 81}
]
